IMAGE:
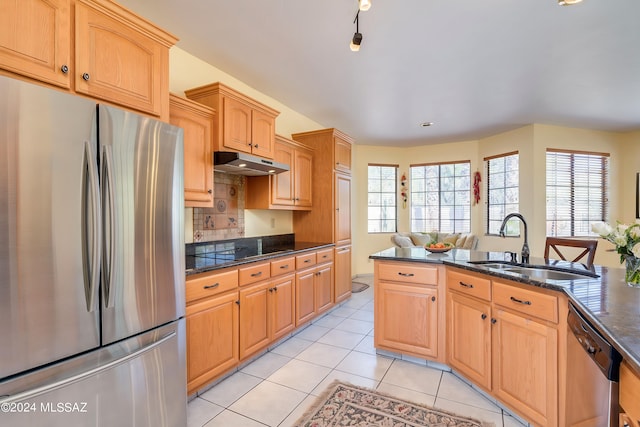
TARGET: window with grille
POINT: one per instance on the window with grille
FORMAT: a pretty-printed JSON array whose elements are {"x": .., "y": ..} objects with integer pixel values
[
  {"x": 441, "y": 197},
  {"x": 577, "y": 191},
  {"x": 503, "y": 192},
  {"x": 382, "y": 196}
]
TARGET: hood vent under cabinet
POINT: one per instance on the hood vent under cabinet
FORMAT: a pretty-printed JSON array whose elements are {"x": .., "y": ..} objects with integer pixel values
[{"x": 245, "y": 164}]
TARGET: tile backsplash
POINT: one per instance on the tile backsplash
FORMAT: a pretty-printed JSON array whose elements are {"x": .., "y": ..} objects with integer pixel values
[{"x": 226, "y": 219}]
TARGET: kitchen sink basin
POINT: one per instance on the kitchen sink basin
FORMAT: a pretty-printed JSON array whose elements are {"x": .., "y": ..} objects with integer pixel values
[
  {"x": 545, "y": 273},
  {"x": 539, "y": 272}
]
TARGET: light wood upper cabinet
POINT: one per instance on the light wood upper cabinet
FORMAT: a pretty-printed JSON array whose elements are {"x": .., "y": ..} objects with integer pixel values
[
  {"x": 197, "y": 121},
  {"x": 117, "y": 60},
  {"x": 243, "y": 124},
  {"x": 35, "y": 39},
  {"x": 342, "y": 154},
  {"x": 331, "y": 212},
  {"x": 118, "y": 56},
  {"x": 291, "y": 190}
]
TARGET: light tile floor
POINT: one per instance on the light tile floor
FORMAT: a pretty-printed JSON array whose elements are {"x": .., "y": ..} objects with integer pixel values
[{"x": 279, "y": 386}]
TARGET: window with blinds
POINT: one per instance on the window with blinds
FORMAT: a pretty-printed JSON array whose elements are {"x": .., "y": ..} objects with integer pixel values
[
  {"x": 577, "y": 191},
  {"x": 441, "y": 197},
  {"x": 503, "y": 192},
  {"x": 382, "y": 198}
]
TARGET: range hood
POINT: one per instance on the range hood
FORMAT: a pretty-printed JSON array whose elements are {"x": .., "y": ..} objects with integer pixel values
[{"x": 245, "y": 164}]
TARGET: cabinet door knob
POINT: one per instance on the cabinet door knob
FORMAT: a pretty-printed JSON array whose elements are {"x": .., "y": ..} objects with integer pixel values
[
  {"x": 64, "y": 69},
  {"x": 209, "y": 191},
  {"x": 85, "y": 77},
  {"x": 484, "y": 316},
  {"x": 433, "y": 299},
  {"x": 493, "y": 320},
  {"x": 255, "y": 146}
]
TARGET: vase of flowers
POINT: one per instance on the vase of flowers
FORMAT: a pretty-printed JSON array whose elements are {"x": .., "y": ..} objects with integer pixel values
[{"x": 626, "y": 238}]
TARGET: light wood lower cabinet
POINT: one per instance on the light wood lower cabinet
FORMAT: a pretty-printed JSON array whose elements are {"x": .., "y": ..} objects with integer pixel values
[
  {"x": 525, "y": 366},
  {"x": 266, "y": 313},
  {"x": 407, "y": 315},
  {"x": 234, "y": 313},
  {"x": 305, "y": 296},
  {"x": 469, "y": 338},
  {"x": 254, "y": 318},
  {"x": 314, "y": 285},
  {"x": 506, "y": 337},
  {"x": 342, "y": 280},
  {"x": 282, "y": 306},
  {"x": 629, "y": 395},
  {"x": 212, "y": 339}
]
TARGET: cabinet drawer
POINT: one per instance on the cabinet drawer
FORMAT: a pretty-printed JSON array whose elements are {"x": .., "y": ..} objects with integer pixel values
[
  {"x": 283, "y": 266},
  {"x": 469, "y": 284},
  {"x": 325, "y": 255},
  {"x": 306, "y": 260},
  {"x": 254, "y": 273},
  {"x": 410, "y": 273},
  {"x": 630, "y": 392},
  {"x": 526, "y": 301},
  {"x": 206, "y": 285}
]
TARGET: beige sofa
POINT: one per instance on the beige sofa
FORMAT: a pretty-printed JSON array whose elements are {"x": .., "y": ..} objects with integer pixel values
[{"x": 460, "y": 240}]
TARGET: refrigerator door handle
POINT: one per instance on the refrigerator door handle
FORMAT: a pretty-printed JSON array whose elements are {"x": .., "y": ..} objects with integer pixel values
[
  {"x": 109, "y": 253},
  {"x": 46, "y": 388},
  {"x": 91, "y": 234}
]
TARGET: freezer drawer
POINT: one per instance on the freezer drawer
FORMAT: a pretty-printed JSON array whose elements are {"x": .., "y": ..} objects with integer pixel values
[{"x": 137, "y": 382}]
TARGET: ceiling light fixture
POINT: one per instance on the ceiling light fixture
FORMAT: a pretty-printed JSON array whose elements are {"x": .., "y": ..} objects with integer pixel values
[
  {"x": 568, "y": 2},
  {"x": 364, "y": 5},
  {"x": 357, "y": 37}
]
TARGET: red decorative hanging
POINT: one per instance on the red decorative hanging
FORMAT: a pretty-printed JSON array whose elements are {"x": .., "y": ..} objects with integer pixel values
[{"x": 476, "y": 187}]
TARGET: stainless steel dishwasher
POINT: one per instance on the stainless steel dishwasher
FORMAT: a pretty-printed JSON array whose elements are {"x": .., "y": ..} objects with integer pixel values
[{"x": 593, "y": 367}]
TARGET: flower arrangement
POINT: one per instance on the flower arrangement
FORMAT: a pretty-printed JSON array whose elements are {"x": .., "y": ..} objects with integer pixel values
[{"x": 626, "y": 238}]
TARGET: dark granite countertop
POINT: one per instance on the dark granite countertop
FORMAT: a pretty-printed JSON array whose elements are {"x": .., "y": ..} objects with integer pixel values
[
  {"x": 611, "y": 306},
  {"x": 208, "y": 256}
]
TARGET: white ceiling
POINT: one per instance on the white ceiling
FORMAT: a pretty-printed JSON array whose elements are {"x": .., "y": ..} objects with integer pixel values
[{"x": 473, "y": 67}]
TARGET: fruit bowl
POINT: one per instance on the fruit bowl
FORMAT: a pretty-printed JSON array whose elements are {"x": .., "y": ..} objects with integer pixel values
[{"x": 435, "y": 248}]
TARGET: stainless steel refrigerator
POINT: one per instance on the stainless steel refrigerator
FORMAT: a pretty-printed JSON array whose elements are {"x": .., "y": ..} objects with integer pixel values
[{"x": 91, "y": 263}]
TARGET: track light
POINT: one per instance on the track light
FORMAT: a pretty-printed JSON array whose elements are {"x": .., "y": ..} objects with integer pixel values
[
  {"x": 357, "y": 36},
  {"x": 568, "y": 2},
  {"x": 364, "y": 5},
  {"x": 355, "y": 42}
]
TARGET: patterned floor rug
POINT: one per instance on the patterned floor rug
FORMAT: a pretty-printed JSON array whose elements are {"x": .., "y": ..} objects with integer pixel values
[
  {"x": 358, "y": 287},
  {"x": 360, "y": 283},
  {"x": 348, "y": 405}
]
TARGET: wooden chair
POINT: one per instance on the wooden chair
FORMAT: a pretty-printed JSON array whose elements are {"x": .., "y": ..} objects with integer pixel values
[{"x": 588, "y": 245}]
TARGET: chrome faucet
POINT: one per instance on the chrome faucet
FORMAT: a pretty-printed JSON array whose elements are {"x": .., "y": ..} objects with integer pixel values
[{"x": 525, "y": 246}]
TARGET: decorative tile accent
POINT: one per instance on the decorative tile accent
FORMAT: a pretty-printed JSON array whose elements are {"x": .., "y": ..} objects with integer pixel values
[{"x": 226, "y": 219}]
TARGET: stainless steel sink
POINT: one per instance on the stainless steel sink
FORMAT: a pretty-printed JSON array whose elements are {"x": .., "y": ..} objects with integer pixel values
[
  {"x": 544, "y": 273},
  {"x": 539, "y": 272}
]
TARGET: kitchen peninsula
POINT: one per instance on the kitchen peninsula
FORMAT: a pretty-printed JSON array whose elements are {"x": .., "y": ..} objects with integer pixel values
[{"x": 504, "y": 331}]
